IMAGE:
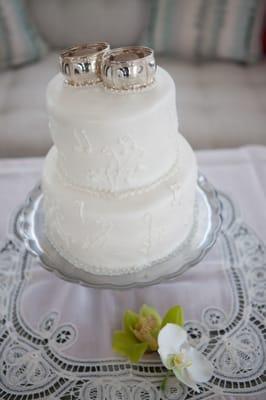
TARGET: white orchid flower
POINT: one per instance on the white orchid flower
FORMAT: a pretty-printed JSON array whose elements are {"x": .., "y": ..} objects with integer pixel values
[{"x": 188, "y": 364}]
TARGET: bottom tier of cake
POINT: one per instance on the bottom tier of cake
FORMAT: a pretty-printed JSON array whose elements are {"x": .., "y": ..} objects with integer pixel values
[{"x": 115, "y": 233}]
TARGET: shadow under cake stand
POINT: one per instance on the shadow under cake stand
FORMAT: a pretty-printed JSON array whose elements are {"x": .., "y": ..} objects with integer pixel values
[{"x": 207, "y": 224}]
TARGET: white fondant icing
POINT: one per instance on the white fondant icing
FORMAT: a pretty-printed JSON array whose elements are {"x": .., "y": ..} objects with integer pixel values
[{"x": 135, "y": 129}]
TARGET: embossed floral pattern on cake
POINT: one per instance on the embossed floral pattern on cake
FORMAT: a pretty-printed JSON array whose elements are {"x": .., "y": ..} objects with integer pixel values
[
  {"x": 98, "y": 230},
  {"x": 58, "y": 222},
  {"x": 83, "y": 144},
  {"x": 124, "y": 162},
  {"x": 119, "y": 163}
]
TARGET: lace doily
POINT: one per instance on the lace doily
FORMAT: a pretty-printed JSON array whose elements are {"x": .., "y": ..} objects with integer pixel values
[{"x": 32, "y": 364}]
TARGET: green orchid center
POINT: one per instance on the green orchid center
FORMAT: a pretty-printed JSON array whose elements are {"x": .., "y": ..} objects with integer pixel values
[
  {"x": 179, "y": 361},
  {"x": 144, "y": 329}
]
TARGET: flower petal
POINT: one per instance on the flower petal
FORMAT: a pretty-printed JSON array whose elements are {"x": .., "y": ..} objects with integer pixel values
[
  {"x": 170, "y": 338},
  {"x": 201, "y": 369},
  {"x": 175, "y": 315},
  {"x": 183, "y": 376},
  {"x": 145, "y": 311},
  {"x": 128, "y": 346},
  {"x": 130, "y": 320}
]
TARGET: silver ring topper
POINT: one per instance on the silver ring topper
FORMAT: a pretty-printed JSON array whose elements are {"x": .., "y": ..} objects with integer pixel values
[
  {"x": 128, "y": 68},
  {"x": 81, "y": 65}
]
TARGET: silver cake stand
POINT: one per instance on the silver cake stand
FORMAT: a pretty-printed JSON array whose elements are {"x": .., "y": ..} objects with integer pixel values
[{"x": 207, "y": 224}]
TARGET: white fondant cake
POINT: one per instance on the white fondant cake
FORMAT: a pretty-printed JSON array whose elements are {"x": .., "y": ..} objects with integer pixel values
[{"x": 119, "y": 184}]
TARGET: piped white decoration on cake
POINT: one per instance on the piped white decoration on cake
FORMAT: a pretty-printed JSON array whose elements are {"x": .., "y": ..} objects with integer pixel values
[
  {"x": 99, "y": 231},
  {"x": 174, "y": 189},
  {"x": 83, "y": 143},
  {"x": 123, "y": 162},
  {"x": 154, "y": 234}
]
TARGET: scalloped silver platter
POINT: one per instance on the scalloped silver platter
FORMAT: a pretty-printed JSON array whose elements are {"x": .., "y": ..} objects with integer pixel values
[{"x": 208, "y": 221}]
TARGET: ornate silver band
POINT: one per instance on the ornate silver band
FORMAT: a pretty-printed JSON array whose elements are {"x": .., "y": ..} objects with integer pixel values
[
  {"x": 81, "y": 65},
  {"x": 128, "y": 68}
]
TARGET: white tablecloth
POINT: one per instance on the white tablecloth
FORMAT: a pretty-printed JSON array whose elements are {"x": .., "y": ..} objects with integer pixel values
[{"x": 89, "y": 316}]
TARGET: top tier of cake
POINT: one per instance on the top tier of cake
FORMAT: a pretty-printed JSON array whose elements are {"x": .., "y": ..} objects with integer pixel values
[{"x": 113, "y": 141}]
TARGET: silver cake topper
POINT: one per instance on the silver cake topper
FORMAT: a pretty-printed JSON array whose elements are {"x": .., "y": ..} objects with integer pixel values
[
  {"x": 81, "y": 65},
  {"x": 128, "y": 68}
]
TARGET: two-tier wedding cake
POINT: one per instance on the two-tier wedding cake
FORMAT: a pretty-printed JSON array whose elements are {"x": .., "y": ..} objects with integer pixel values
[{"x": 119, "y": 183}]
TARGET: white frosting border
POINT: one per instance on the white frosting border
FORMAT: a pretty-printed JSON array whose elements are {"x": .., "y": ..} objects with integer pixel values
[{"x": 66, "y": 180}]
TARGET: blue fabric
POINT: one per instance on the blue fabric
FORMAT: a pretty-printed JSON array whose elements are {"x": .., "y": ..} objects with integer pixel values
[{"x": 19, "y": 40}]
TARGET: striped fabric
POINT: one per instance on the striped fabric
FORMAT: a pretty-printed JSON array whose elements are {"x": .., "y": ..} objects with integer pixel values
[
  {"x": 207, "y": 29},
  {"x": 19, "y": 41}
]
